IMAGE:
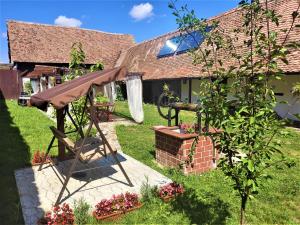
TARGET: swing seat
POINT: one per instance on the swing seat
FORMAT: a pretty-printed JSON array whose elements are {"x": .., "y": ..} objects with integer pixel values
[{"x": 90, "y": 149}]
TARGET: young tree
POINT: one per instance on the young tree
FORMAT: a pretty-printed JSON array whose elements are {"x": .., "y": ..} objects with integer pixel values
[
  {"x": 78, "y": 68},
  {"x": 239, "y": 65}
]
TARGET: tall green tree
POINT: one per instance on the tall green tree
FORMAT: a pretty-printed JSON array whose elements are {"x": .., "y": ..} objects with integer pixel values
[{"x": 237, "y": 96}]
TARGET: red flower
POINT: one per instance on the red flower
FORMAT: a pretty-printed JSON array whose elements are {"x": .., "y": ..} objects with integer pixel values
[
  {"x": 38, "y": 157},
  {"x": 60, "y": 215},
  {"x": 170, "y": 189},
  {"x": 117, "y": 203}
]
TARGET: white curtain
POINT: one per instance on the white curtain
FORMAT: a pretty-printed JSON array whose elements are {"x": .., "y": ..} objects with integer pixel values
[
  {"x": 35, "y": 84},
  {"x": 110, "y": 91},
  {"x": 43, "y": 84},
  {"x": 135, "y": 98},
  {"x": 51, "y": 82}
]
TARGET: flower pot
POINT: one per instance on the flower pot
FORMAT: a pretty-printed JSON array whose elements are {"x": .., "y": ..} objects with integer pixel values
[
  {"x": 116, "y": 215},
  {"x": 168, "y": 198},
  {"x": 42, "y": 221},
  {"x": 37, "y": 164}
]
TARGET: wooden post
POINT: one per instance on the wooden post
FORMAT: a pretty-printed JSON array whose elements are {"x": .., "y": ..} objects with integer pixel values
[
  {"x": 61, "y": 127},
  {"x": 190, "y": 90}
]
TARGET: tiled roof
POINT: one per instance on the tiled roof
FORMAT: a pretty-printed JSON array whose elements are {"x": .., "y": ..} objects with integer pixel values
[
  {"x": 142, "y": 58},
  {"x": 39, "y": 43}
]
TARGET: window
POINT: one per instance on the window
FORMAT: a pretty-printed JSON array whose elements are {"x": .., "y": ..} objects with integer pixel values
[
  {"x": 170, "y": 47},
  {"x": 182, "y": 43}
]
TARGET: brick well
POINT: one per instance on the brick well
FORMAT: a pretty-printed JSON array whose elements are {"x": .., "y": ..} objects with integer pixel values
[{"x": 173, "y": 149}]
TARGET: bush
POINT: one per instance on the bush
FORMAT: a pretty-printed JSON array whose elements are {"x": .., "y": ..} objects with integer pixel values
[
  {"x": 100, "y": 98},
  {"x": 120, "y": 96},
  {"x": 81, "y": 211},
  {"x": 148, "y": 192},
  {"x": 28, "y": 88}
]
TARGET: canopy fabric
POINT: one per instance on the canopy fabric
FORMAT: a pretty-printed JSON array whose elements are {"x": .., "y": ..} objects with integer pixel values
[
  {"x": 61, "y": 95},
  {"x": 135, "y": 98}
]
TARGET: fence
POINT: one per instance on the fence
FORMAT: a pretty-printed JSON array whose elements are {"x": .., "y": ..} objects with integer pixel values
[{"x": 10, "y": 84}]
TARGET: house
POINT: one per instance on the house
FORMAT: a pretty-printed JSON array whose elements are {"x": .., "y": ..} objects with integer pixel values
[
  {"x": 184, "y": 78},
  {"x": 35, "y": 44},
  {"x": 39, "y": 50}
]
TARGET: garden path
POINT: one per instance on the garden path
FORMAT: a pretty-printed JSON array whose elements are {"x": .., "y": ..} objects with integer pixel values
[{"x": 109, "y": 130}]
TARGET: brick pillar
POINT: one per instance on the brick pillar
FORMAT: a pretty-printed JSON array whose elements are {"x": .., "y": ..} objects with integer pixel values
[{"x": 173, "y": 149}]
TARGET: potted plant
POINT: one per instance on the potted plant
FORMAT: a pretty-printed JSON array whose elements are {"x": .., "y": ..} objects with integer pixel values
[
  {"x": 100, "y": 98},
  {"x": 116, "y": 206},
  {"x": 169, "y": 191},
  {"x": 38, "y": 158},
  {"x": 59, "y": 215}
]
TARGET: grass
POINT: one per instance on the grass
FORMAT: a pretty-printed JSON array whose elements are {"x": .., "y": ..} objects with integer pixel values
[
  {"x": 209, "y": 198},
  {"x": 23, "y": 130}
]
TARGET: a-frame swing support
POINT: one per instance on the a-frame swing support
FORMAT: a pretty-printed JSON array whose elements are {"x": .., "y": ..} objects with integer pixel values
[{"x": 93, "y": 121}]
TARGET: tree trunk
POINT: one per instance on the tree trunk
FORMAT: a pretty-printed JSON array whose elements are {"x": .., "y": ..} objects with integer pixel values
[{"x": 243, "y": 209}]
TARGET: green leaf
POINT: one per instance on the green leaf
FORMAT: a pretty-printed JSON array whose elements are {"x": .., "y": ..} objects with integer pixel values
[
  {"x": 252, "y": 120},
  {"x": 251, "y": 197},
  {"x": 250, "y": 165}
]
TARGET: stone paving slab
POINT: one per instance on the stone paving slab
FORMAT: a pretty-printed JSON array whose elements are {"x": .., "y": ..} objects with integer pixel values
[
  {"x": 109, "y": 130},
  {"x": 38, "y": 190}
]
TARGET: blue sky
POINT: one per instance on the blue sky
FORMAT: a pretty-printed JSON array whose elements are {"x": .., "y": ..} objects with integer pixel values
[{"x": 143, "y": 19}]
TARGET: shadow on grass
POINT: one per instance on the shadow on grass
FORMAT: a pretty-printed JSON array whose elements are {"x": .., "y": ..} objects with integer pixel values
[
  {"x": 211, "y": 211},
  {"x": 14, "y": 154}
]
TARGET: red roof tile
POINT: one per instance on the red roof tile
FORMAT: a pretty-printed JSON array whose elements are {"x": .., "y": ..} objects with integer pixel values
[
  {"x": 39, "y": 43},
  {"x": 142, "y": 58}
]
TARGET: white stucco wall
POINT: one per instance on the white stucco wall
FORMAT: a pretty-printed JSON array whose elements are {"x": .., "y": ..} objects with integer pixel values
[
  {"x": 281, "y": 86},
  {"x": 185, "y": 90},
  {"x": 285, "y": 86}
]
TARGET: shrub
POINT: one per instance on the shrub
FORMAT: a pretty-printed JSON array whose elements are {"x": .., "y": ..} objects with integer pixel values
[
  {"x": 100, "y": 98},
  {"x": 120, "y": 96},
  {"x": 28, "y": 88},
  {"x": 148, "y": 192},
  {"x": 170, "y": 189},
  {"x": 81, "y": 211}
]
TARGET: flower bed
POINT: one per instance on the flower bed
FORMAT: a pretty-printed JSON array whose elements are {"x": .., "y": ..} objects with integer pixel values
[
  {"x": 169, "y": 191},
  {"x": 116, "y": 206}
]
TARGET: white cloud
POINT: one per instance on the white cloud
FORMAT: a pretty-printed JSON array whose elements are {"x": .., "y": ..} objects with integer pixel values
[
  {"x": 67, "y": 22},
  {"x": 4, "y": 35},
  {"x": 141, "y": 11}
]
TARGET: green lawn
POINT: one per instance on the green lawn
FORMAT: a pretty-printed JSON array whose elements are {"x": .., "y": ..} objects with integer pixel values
[
  {"x": 208, "y": 199},
  {"x": 23, "y": 130}
]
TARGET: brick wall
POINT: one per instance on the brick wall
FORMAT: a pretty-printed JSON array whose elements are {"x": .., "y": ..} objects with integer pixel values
[{"x": 173, "y": 149}]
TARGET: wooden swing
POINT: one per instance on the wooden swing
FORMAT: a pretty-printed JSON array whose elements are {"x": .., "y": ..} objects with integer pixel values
[{"x": 83, "y": 150}]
